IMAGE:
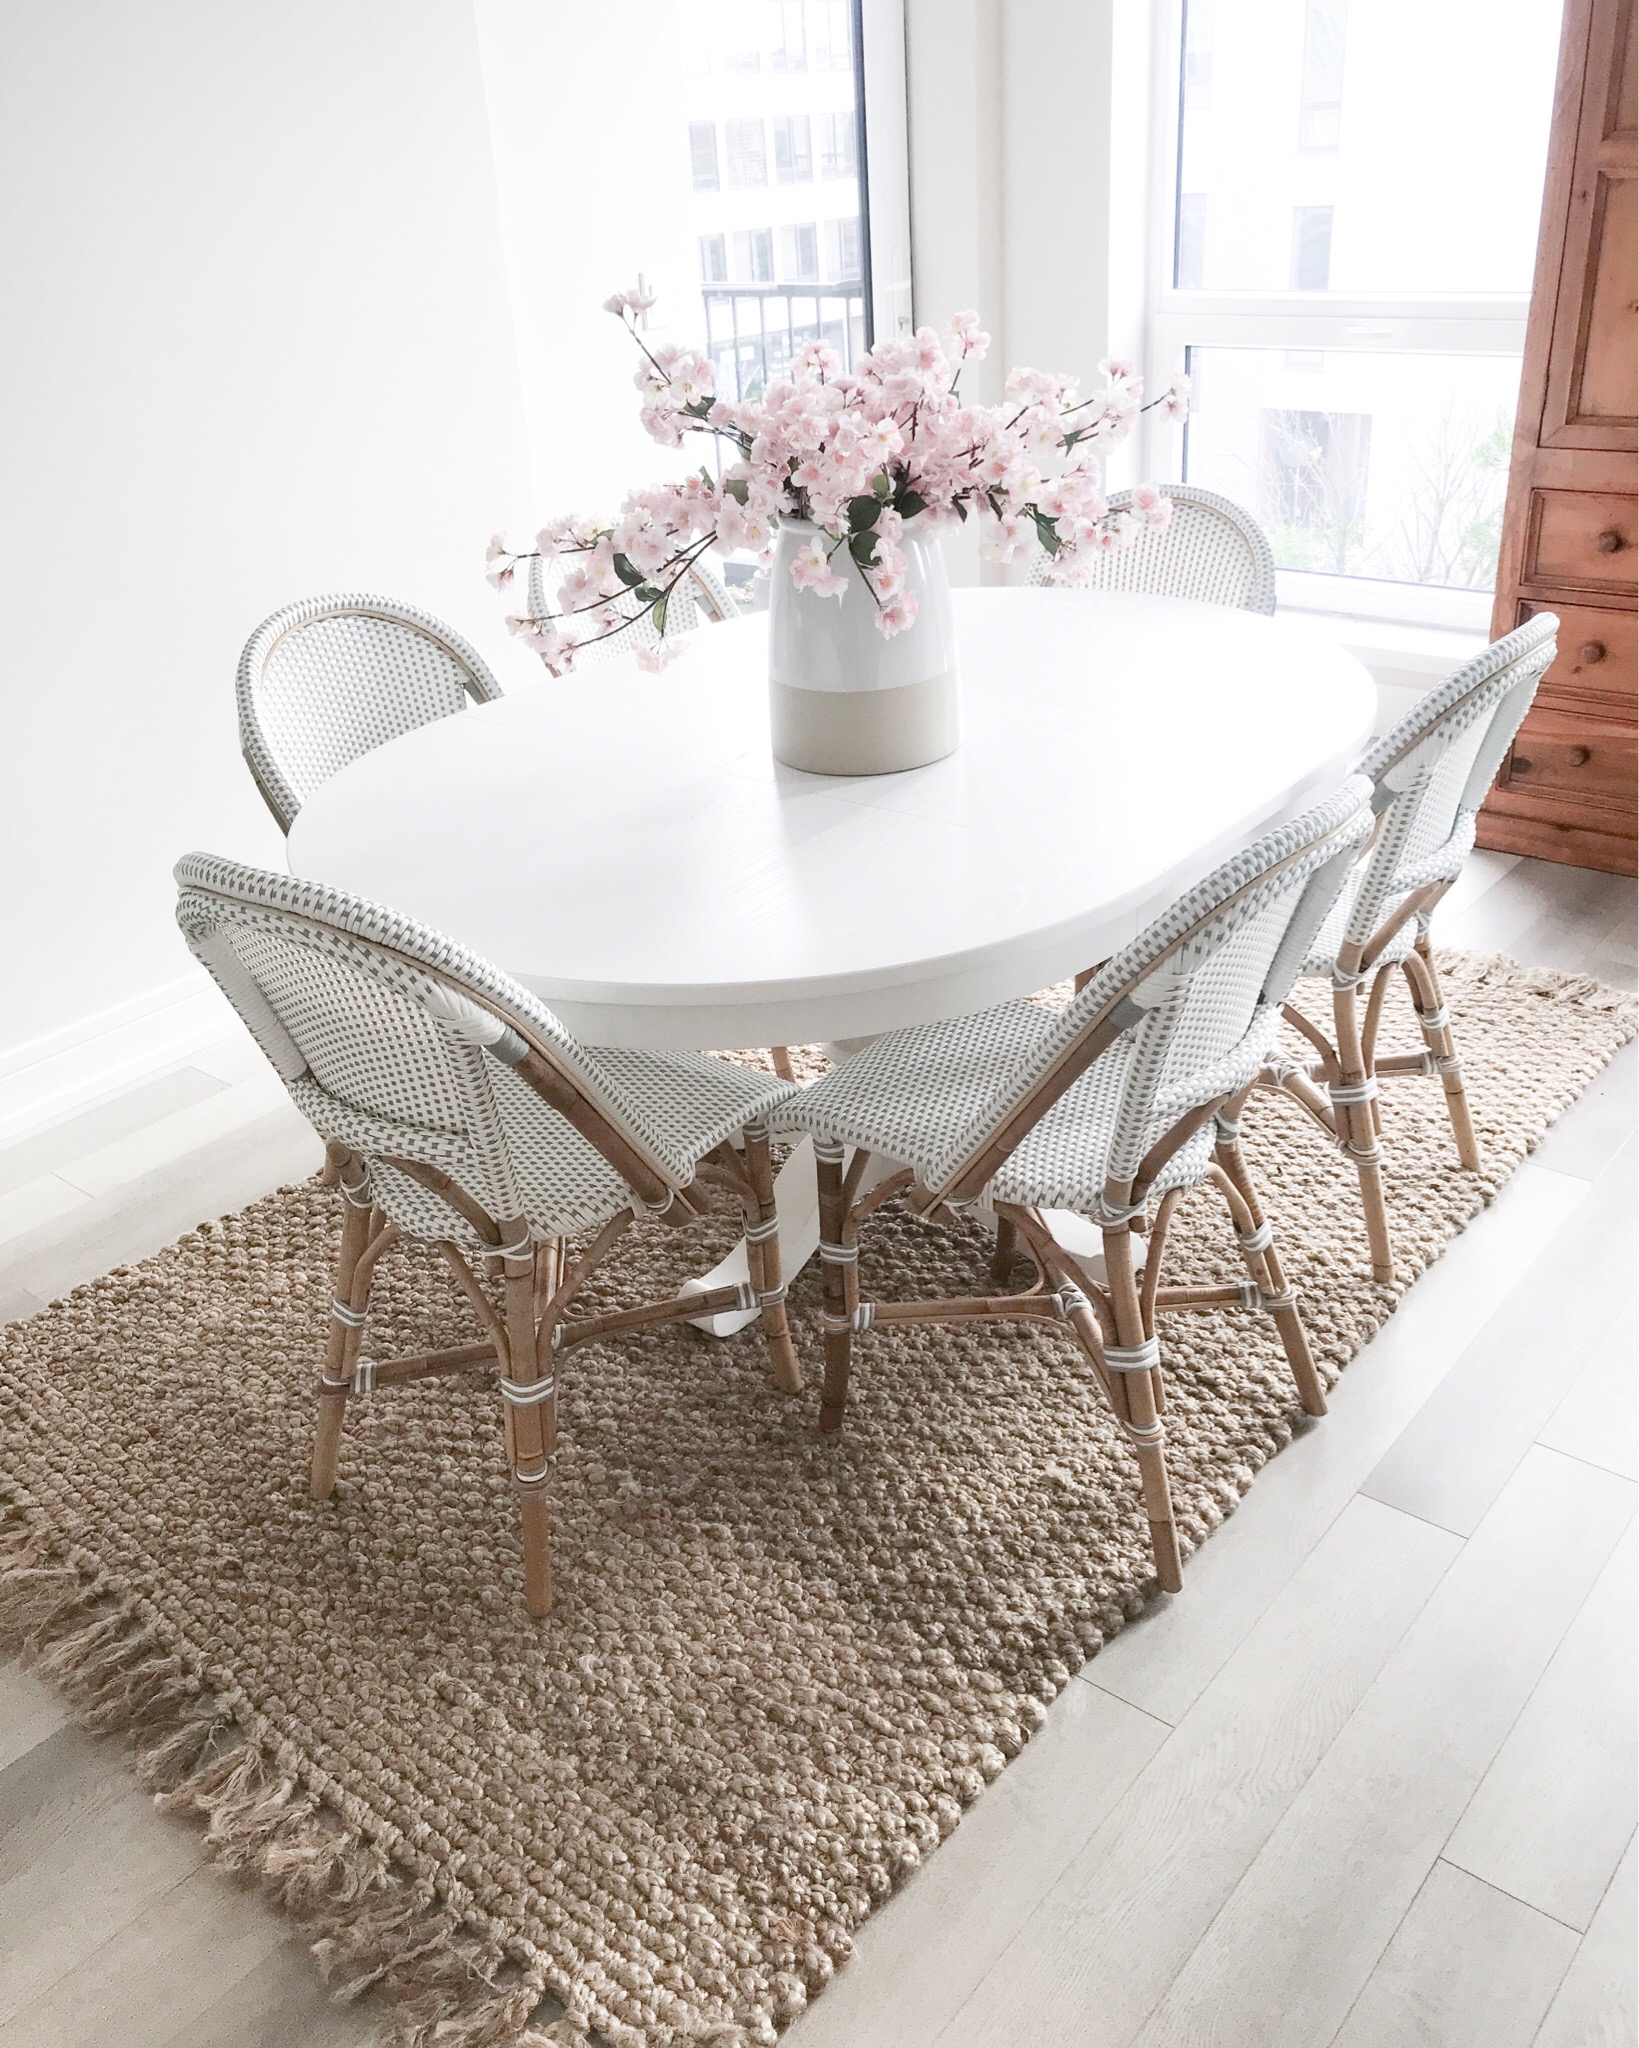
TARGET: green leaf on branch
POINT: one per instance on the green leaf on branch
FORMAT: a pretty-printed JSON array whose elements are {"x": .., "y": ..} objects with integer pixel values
[
  {"x": 961, "y": 509},
  {"x": 882, "y": 484},
  {"x": 909, "y": 503},
  {"x": 736, "y": 488},
  {"x": 1047, "y": 531},
  {"x": 660, "y": 616},
  {"x": 649, "y": 594},
  {"x": 862, "y": 513},
  {"x": 862, "y": 546},
  {"x": 628, "y": 575}
]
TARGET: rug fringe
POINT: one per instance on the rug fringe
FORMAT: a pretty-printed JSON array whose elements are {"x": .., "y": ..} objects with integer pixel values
[
  {"x": 1500, "y": 970},
  {"x": 370, "y": 1924}
]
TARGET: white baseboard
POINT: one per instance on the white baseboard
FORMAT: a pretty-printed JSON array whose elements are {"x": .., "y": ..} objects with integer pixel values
[{"x": 50, "y": 1077}]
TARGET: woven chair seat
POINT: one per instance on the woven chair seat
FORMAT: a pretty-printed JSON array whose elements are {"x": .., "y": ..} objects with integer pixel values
[
  {"x": 369, "y": 1023},
  {"x": 1323, "y": 959},
  {"x": 1212, "y": 550},
  {"x": 915, "y": 1095}
]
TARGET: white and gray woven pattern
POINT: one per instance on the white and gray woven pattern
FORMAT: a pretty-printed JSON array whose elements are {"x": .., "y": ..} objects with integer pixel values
[
  {"x": 327, "y": 680},
  {"x": 398, "y": 1042},
  {"x": 1430, "y": 775},
  {"x": 1199, "y": 992},
  {"x": 699, "y": 598},
  {"x": 1211, "y": 550}
]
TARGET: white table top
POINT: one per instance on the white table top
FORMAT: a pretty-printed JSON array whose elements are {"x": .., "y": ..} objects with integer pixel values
[{"x": 625, "y": 845}]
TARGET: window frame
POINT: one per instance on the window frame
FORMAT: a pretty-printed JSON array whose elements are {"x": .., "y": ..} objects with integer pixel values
[{"x": 1179, "y": 320}]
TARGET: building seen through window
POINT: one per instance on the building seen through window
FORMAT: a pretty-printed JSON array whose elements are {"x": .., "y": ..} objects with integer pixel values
[
  {"x": 772, "y": 119},
  {"x": 1318, "y": 179}
]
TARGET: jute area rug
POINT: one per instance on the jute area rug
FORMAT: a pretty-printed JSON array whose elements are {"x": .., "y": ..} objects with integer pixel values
[{"x": 779, "y": 1667}]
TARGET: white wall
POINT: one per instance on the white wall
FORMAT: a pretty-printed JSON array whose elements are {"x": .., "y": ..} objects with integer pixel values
[
  {"x": 1029, "y": 124},
  {"x": 257, "y": 345},
  {"x": 591, "y": 157}
]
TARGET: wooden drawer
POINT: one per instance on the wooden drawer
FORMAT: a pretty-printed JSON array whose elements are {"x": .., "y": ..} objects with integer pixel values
[
  {"x": 1563, "y": 753},
  {"x": 1598, "y": 649},
  {"x": 1582, "y": 538}
]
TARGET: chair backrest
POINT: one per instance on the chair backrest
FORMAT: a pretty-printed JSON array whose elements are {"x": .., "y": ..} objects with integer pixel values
[
  {"x": 1430, "y": 774},
  {"x": 700, "y": 597},
  {"x": 1211, "y": 550},
  {"x": 403, "y": 1045},
  {"x": 324, "y": 681},
  {"x": 1198, "y": 994}
]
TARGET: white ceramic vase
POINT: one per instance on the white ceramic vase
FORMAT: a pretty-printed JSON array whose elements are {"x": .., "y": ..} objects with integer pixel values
[{"x": 843, "y": 700}]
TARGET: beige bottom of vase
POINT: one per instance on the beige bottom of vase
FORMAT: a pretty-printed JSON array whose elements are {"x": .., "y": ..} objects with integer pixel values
[{"x": 865, "y": 732}]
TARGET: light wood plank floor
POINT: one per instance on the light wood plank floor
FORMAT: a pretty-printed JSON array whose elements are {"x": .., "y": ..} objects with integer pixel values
[{"x": 1369, "y": 1781}]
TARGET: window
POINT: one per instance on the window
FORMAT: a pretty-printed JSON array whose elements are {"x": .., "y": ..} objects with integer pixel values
[
  {"x": 1189, "y": 258},
  {"x": 842, "y": 248},
  {"x": 760, "y": 138},
  {"x": 830, "y": 35},
  {"x": 754, "y": 256},
  {"x": 799, "y": 253},
  {"x": 703, "y": 155},
  {"x": 790, "y": 41},
  {"x": 1355, "y": 319},
  {"x": 793, "y": 154},
  {"x": 1320, "y": 111},
  {"x": 838, "y": 155},
  {"x": 1311, "y": 248},
  {"x": 1196, "y": 82},
  {"x": 747, "y": 156}
]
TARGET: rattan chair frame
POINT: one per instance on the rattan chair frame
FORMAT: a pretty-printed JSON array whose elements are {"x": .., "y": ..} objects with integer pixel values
[
  {"x": 1401, "y": 880},
  {"x": 1113, "y": 1321},
  {"x": 283, "y": 789},
  {"x": 486, "y": 1018},
  {"x": 1171, "y": 564}
]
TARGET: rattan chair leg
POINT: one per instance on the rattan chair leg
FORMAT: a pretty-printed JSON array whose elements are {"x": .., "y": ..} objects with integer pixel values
[
  {"x": 1002, "y": 1259},
  {"x": 781, "y": 1056},
  {"x": 530, "y": 1394},
  {"x": 1264, "y": 1269},
  {"x": 837, "y": 1316},
  {"x": 341, "y": 1348},
  {"x": 1134, "y": 1404},
  {"x": 1352, "y": 1109},
  {"x": 764, "y": 1261},
  {"x": 1424, "y": 979}
]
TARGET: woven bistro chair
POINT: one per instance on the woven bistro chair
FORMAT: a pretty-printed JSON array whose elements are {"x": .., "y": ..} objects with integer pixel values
[
  {"x": 1429, "y": 777},
  {"x": 326, "y": 680},
  {"x": 700, "y": 598},
  {"x": 459, "y": 1112},
  {"x": 1127, "y": 1098},
  {"x": 1211, "y": 550}
]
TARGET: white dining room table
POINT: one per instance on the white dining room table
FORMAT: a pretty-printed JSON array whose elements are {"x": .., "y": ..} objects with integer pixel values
[{"x": 625, "y": 846}]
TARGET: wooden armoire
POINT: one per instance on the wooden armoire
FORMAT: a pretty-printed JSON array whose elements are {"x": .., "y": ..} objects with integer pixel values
[{"x": 1569, "y": 543}]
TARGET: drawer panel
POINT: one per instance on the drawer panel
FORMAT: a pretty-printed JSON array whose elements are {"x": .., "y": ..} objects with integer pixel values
[
  {"x": 1561, "y": 751},
  {"x": 1582, "y": 538},
  {"x": 1598, "y": 648}
]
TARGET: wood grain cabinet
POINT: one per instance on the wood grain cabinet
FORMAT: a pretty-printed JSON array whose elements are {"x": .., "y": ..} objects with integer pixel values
[{"x": 1570, "y": 539}]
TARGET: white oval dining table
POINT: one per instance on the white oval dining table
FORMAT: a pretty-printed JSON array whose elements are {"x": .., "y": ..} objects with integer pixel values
[{"x": 626, "y": 847}]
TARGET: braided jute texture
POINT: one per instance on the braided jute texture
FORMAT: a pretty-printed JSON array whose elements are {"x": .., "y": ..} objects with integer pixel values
[{"x": 779, "y": 1666}]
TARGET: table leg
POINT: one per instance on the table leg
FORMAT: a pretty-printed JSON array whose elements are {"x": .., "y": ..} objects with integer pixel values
[{"x": 796, "y": 1199}]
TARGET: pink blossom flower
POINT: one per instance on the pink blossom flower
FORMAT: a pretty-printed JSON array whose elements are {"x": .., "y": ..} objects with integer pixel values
[
  {"x": 1175, "y": 399},
  {"x": 896, "y": 615},
  {"x": 811, "y": 570},
  {"x": 499, "y": 563},
  {"x": 1118, "y": 369},
  {"x": 653, "y": 659}
]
